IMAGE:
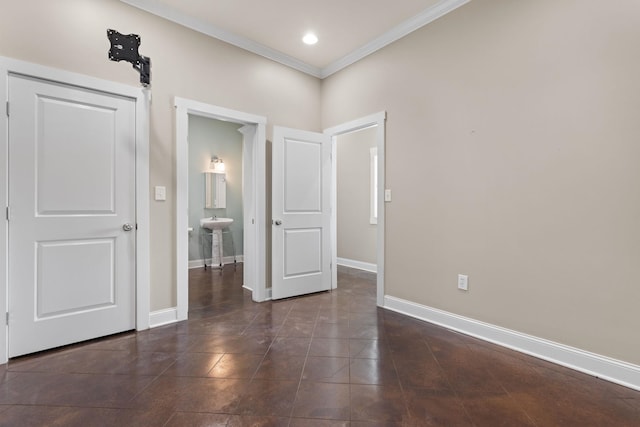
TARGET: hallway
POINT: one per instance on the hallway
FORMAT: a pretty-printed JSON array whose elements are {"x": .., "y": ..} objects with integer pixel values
[{"x": 329, "y": 359}]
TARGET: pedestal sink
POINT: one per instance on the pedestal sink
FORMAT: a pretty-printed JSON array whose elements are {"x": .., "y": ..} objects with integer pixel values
[{"x": 215, "y": 223}]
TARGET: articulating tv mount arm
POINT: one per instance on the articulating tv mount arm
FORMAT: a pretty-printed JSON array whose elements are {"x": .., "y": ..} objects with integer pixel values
[{"x": 125, "y": 48}]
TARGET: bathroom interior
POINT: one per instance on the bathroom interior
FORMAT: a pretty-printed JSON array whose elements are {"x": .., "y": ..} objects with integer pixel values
[{"x": 215, "y": 193}]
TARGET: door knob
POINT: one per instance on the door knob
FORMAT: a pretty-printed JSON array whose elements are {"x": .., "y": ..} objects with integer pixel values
[
  {"x": 127, "y": 227},
  {"x": 278, "y": 222}
]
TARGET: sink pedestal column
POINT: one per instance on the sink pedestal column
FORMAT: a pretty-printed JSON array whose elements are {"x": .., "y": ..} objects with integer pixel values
[{"x": 216, "y": 247}]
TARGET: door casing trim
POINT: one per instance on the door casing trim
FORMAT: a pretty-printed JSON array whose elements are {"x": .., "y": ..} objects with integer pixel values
[{"x": 141, "y": 97}]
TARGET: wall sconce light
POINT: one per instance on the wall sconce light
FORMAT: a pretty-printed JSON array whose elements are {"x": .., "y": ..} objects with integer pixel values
[{"x": 217, "y": 165}]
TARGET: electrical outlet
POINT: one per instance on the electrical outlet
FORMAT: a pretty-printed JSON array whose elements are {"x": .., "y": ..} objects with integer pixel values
[{"x": 463, "y": 282}]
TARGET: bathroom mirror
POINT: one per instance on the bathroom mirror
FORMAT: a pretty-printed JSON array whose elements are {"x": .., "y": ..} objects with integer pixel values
[{"x": 215, "y": 190}]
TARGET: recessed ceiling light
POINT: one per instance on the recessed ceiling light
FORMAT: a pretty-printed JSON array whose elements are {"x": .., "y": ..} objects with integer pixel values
[{"x": 310, "y": 38}]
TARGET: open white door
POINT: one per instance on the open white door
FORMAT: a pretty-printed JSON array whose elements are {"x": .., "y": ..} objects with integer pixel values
[
  {"x": 72, "y": 214},
  {"x": 301, "y": 184}
]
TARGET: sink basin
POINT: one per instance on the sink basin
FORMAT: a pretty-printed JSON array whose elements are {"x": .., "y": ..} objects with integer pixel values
[{"x": 215, "y": 223}]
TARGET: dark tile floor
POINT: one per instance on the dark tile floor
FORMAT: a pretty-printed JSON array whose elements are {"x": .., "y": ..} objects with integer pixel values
[{"x": 330, "y": 359}]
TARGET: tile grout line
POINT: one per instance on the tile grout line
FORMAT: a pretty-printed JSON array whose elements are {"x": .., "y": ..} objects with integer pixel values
[
  {"x": 304, "y": 365},
  {"x": 466, "y": 411}
]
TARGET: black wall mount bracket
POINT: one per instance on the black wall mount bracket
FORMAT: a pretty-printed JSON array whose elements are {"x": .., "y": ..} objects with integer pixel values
[{"x": 125, "y": 48}]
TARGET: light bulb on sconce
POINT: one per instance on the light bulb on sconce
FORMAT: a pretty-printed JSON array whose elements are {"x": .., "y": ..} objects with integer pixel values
[{"x": 217, "y": 165}]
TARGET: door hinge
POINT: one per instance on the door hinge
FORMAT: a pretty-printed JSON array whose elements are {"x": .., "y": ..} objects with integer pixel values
[
  {"x": 8, "y": 213},
  {"x": 7, "y": 318},
  {"x": 7, "y": 108}
]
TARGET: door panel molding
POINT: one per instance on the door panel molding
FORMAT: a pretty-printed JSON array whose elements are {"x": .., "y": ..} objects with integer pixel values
[
  {"x": 57, "y": 257},
  {"x": 9, "y": 66},
  {"x": 303, "y": 249}
]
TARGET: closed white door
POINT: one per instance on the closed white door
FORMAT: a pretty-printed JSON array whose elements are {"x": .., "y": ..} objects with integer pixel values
[
  {"x": 301, "y": 180},
  {"x": 72, "y": 214}
]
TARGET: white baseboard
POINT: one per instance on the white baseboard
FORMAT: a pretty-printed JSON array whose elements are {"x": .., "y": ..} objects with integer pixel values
[
  {"x": 198, "y": 263},
  {"x": 163, "y": 317},
  {"x": 367, "y": 266},
  {"x": 609, "y": 369}
]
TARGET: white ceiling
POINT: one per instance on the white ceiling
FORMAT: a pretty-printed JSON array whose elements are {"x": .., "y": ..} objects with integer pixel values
[{"x": 348, "y": 30}]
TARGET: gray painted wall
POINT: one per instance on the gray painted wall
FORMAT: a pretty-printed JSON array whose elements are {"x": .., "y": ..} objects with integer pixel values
[{"x": 207, "y": 138}]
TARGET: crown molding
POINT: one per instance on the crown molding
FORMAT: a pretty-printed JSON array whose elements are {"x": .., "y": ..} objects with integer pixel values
[
  {"x": 200, "y": 26},
  {"x": 425, "y": 17},
  {"x": 420, "y": 20}
]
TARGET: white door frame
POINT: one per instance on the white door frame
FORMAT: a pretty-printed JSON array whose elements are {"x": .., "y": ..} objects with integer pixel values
[
  {"x": 254, "y": 179},
  {"x": 378, "y": 120},
  {"x": 141, "y": 96}
]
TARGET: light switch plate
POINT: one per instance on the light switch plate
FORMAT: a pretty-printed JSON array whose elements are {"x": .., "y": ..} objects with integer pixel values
[
  {"x": 387, "y": 195},
  {"x": 161, "y": 193},
  {"x": 463, "y": 282}
]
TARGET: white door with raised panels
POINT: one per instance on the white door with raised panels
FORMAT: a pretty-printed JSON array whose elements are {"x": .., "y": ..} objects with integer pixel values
[
  {"x": 301, "y": 215},
  {"x": 72, "y": 214}
]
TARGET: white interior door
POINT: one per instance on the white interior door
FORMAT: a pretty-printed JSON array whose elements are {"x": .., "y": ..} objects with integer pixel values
[
  {"x": 72, "y": 214},
  {"x": 301, "y": 180}
]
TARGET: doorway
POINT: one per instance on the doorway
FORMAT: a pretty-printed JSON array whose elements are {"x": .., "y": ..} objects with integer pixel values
[
  {"x": 253, "y": 190},
  {"x": 356, "y": 207},
  {"x": 375, "y": 126},
  {"x": 215, "y": 192}
]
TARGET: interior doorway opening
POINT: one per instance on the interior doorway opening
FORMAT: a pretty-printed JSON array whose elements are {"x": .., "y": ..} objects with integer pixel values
[
  {"x": 216, "y": 225},
  {"x": 356, "y": 194},
  {"x": 376, "y": 124},
  {"x": 253, "y": 163}
]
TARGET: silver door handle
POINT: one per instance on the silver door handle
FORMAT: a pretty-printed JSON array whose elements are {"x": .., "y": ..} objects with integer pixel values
[
  {"x": 127, "y": 227},
  {"x": 278, "y": 222}
]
